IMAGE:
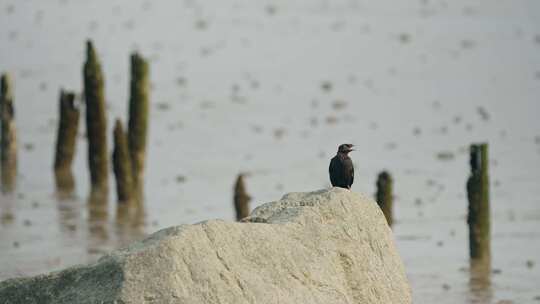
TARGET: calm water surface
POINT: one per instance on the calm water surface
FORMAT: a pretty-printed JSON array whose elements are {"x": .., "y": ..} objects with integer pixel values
[{"x": 271, "y": 88}]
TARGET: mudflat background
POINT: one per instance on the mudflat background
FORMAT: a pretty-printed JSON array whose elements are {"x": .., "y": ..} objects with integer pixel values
[{"x": 271, "y": 88}]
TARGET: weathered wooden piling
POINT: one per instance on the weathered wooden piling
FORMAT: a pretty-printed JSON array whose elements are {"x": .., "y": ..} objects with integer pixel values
[
  {"x": 8, "y": 135},
  {"x": 96, "y": 121},
  {"x": 384, "y": 195},
  {"x": 122, "y": 164},
  {"x": 241, "y": 198},
  {"x": 138, "y": 116},
  {"x": 66, "y": 141},
  {"x": 478, "y": 195}
]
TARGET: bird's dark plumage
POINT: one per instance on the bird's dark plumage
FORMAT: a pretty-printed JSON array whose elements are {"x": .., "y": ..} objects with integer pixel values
[{"x": 341, "y": 168}]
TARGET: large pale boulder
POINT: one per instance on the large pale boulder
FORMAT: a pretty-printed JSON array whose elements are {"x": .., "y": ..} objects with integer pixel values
[{"x": 328, "y": 246}]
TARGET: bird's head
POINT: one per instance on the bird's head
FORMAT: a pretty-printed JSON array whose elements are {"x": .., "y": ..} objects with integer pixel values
[{"x": 345, "y": 148}]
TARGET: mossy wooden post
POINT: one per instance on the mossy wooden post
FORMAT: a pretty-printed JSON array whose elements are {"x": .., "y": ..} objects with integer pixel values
[
  {"x": 66, "y": 141},
  {"x": 8, "y": 135},
  {"x": 384, "y": 195},
  {"x": 241, "y": 198},
  {"x": 138, "y": 118},
  {"x": 478, "y": 195},
  {"x": 96, "y": 122},
  {"x": 122, "y": 164}
]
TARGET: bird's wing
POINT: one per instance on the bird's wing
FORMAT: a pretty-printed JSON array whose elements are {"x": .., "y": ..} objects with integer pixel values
[
  {"x": 348, "y": 171},
  {"x": 352, "y": 174},
  {"x": 332, "y": 170}
]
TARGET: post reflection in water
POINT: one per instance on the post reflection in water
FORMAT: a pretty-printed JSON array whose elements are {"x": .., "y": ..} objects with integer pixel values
[
  {"x": 128, "y": 224},
  {"x": 69, "y": 214},
  {"x": 480, "y": 281},
  {"x": 97, "y": 221},
  {"x": 7, "y": 216},
  {"x": 130, "y": 221}
]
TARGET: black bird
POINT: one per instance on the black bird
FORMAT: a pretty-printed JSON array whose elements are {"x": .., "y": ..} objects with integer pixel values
[{"x": 341, "y": 167}]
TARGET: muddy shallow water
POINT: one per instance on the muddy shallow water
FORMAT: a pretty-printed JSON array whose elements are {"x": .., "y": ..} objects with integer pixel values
[{"x": 271, "y": 89}]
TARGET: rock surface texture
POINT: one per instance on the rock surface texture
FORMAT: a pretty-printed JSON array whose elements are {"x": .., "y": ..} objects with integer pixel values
[{"x": 328, "y": 246}]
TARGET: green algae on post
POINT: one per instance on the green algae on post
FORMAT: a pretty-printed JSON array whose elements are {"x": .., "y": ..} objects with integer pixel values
[
  {"x": 384, "y": 195},
  {"x": 96, "y": 121},
  {"x": 66, "y": 141},
  {"x": 138, "y": 117},
  {"x": 478, "y": 196},
  {"x": 241, "y": 198},
  {"x": 122, "y": 164},
  {"x": 8, "y": 135}
]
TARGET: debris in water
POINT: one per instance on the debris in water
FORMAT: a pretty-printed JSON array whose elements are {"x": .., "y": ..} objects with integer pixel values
[
  {"x": 163, "y": 106},
  {"x": 467, "y": 44},
  {"x": 390, "y": 146},
  {"x": 530, "y": 264},
  {"x": 326, "y": 86},
  {"x": 257, "y": 128},
  {"x": 181, "y": 179},
  {"x": 445, "y": 155},
  {"x": 181, "y": 81},
  {"x": 201, "y": 24},
  {"x": 339, "y": 104},
  {"x": 271, "y": 10},
  {"x": 483, "y": 113},
  {"x": 444, "y": 130},
  {"x": 254, "y": 84},
  {"x": 279, "y": 133},
  {"x": 28, "y": 146},
  {"x": 13, "y": 35},
  {"x": 331, "y": 120},
  {"x": 404, "y": 38}
]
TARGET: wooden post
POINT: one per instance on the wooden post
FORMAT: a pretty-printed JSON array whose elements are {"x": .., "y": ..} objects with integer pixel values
[
  {"x": 241, "y": 198},
  {"x": 66, "y": 142},
  {"x": 96, "y": 121},
  {"x": 138, "y": 117},
  {"x": 122, "y": 164},
  {"x": 478, "y": 195},
  {"x": 384, "y": 195},
  {"x": 8, "y": 136}
]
